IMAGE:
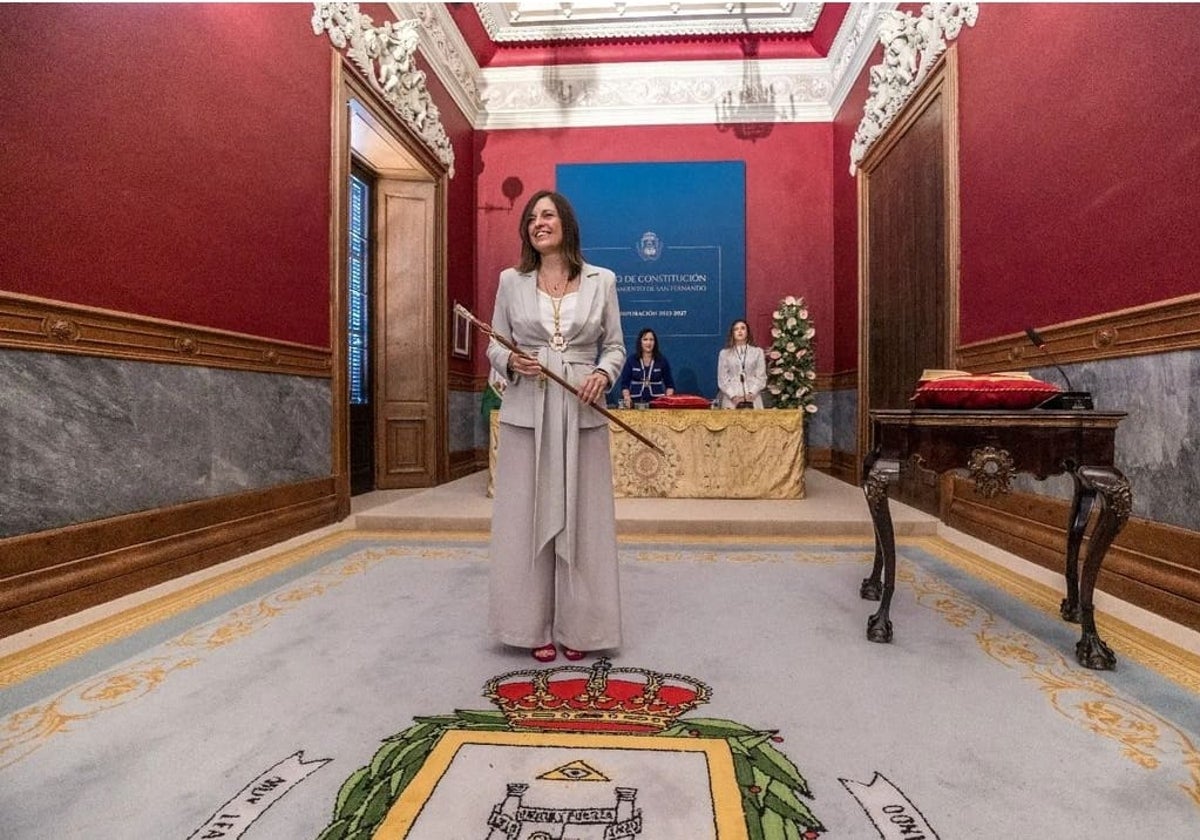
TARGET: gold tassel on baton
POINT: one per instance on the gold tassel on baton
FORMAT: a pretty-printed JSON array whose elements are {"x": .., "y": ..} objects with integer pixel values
[{"x": 487, "y": 329}]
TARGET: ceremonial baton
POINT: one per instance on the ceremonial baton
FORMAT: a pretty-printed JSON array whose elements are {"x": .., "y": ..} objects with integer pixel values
[{"x": 487, "y": 329}]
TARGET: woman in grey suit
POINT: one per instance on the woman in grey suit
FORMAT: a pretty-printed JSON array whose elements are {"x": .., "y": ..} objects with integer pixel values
[{"x": 554, "y": 542}]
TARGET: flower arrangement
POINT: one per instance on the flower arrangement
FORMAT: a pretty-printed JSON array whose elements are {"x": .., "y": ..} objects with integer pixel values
[{"x": 791, "y": 361}]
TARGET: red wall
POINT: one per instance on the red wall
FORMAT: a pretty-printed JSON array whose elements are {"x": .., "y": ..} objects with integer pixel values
[
  {"x": 169, "y": 160},
  {"x": 1080, "y": 167},
  {"x": 460, "y": 203},
  {"x": 789, "y": 221},
  {"x": 1079, "y": 159},
  {"x": 845, "y": 224}
]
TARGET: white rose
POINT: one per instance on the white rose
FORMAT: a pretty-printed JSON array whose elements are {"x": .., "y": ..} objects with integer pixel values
[
  {"x": 789, "y": 300},
  {"x": 811, "y": 408},
  {"x": 810, "y": 333},
  {"x": 788, "y": 375},
  {"x": 775, "y": 333},
  {"x": 791, "y": 348},
  {"x": 791, "y": 323},
  {"x": 804, "y": 314},
  {"x": 776, "y": 315}
]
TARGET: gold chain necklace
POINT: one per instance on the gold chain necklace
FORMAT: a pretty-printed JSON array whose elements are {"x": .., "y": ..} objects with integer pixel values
[{"x": 557, "y": 341}]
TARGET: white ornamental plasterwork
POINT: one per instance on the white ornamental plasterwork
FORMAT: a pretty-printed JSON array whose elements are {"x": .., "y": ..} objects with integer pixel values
[
  {"x": 386, "y": 56},
  {"x": 643, "y": 93},
  {"x": 574, "y": 22},
  {"x": 846, "y": 44},
  {"x": 911, "y": 45},
  {"x": 447, "y": 53}
]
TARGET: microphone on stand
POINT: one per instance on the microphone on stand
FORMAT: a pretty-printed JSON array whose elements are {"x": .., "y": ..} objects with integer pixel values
[{"x": 1070, "y": 399}]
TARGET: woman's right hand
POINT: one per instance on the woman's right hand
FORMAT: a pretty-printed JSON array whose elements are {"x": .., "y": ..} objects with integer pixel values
[{"x": 524, "y": 365}]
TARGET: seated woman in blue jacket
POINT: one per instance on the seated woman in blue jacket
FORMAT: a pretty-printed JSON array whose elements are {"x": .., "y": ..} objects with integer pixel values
[{"x": 647, "y": 373}]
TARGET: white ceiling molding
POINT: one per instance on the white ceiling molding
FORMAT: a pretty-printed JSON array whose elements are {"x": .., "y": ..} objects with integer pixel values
[
  {"x": 852, "y": 47},
  {"x": 385, "y": 54},
  {"x": 448, "y": 55},
  {"x": 643, "y": 93},
  {"x": 636, "y": 93},
  {"x": 911, "y": 45},
  {"x": 522, "y": 22}
]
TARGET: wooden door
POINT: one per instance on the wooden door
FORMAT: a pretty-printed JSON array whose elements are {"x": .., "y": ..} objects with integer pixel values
[
  {"x": 409, "y": 346},
  {"x": 908, "y": 260}
]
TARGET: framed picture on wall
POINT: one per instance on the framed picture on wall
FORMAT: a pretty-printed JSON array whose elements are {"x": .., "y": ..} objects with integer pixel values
[{"x": 462, "y": 336}]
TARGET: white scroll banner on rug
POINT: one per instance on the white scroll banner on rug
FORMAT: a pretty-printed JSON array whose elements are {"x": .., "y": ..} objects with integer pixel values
[
  {"x": 894, "y": 815},
  {"x": 233, "y": 818}
]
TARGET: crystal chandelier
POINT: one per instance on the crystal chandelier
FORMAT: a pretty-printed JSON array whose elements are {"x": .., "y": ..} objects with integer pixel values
[{"x": 751, "y": 111}]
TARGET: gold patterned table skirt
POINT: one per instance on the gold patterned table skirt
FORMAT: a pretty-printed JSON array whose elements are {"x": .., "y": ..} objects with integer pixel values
[{"x": 731, "y": 454}]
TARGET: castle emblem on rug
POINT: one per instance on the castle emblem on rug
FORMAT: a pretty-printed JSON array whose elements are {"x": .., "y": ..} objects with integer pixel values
[{"x": 578, "y": 752}]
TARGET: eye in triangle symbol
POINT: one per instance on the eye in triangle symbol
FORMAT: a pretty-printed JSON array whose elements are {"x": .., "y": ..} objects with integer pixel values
[{"x": 575, "y": 771}]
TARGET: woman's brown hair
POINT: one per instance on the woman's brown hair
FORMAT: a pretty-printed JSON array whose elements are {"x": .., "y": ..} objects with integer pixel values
[
  {"x": 572, "y": 253},
  {"x": 749, "y": 335}
]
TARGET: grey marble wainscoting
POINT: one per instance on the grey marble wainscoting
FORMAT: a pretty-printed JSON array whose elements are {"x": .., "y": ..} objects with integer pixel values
[
  {"x": 83, "y": 438},
  {"x": 818, "y": 425},
  {"x": 844, "y": 421},
  {"x": 1158, "y": 444},
  {"x": 465, "y": 421}
]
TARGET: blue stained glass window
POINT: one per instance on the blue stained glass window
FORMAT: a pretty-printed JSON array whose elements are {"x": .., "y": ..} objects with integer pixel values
[{"x": 360, "y": 202}]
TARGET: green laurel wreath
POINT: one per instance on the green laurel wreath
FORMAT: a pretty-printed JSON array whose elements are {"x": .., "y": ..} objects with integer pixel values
[{"x": 770, "y": 784}]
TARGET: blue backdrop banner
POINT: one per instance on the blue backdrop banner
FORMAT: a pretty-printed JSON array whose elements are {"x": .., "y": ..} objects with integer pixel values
[{"x": 675, "y": 235}]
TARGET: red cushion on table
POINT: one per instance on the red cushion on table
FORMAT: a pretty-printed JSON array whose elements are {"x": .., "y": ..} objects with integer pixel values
[
  {"x": 680, "y": 401},
  {"x": 983, "y": 393}
]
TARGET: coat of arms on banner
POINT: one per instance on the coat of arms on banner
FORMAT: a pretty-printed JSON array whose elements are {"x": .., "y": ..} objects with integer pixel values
[{"x": 600, "y": 753}]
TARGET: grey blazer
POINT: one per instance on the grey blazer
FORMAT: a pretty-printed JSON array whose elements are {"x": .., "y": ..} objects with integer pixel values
[{"x": 594, "y": 341}]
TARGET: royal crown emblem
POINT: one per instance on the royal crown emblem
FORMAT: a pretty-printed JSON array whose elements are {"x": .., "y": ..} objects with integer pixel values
[{"x": 602, "y": 698}]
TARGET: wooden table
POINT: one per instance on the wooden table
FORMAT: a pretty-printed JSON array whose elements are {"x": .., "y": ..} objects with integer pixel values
[
  {"x": 733, "y": 454},
  {"x": 994, "y": 446}
]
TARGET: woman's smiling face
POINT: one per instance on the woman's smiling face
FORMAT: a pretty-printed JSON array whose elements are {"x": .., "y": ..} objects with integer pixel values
[{"x": 545, "y": 226}]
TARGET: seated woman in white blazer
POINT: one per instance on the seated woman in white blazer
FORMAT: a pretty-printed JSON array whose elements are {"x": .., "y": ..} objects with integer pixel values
[
  {"x": 554, "y": 537},
  {"x": 741, "y": 369}
]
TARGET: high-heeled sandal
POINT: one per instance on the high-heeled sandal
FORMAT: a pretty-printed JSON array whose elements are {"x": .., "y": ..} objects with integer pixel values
[
  {"x": 545, "y": 653},
  {"x": 572, "y": 654}
]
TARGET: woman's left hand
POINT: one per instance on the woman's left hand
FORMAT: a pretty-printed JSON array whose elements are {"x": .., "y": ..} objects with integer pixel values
[{"x": 593, "y": 387}]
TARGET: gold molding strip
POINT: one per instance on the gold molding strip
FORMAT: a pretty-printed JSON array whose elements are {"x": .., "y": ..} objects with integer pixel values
[
  {"x": 31, "y": 323},
  {"x": 1160, "y": 327}
]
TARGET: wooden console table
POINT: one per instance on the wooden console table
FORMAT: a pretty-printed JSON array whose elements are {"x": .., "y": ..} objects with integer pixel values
[{"x": 993, "y": 446}]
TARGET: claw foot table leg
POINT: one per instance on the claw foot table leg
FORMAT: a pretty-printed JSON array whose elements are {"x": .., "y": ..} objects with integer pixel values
[
  {"x": 1116, "y": 500},
  {"x": 877, "y": 473}
]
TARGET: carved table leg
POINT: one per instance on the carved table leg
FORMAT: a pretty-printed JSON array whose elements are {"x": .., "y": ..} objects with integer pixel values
[
  {"x": 877, "y": 473},
  {"x": 1081, "y": 508},
  {"x": 1116, "y": 499}
]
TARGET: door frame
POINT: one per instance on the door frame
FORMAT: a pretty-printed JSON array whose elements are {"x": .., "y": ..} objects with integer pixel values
[{"x": 347, "y": 87}]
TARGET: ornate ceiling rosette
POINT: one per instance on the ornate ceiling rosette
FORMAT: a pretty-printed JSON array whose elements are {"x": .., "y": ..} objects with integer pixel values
[{"x": 386, "y": 55}]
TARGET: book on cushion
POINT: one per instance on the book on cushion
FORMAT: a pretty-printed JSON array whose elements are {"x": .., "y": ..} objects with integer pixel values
[{"x": 1007, "y": 390}]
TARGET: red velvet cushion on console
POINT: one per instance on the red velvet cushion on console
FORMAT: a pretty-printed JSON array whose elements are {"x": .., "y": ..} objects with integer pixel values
[
  {"x": 981, "y": 392},
  {"x": 680, "y": 401}
]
